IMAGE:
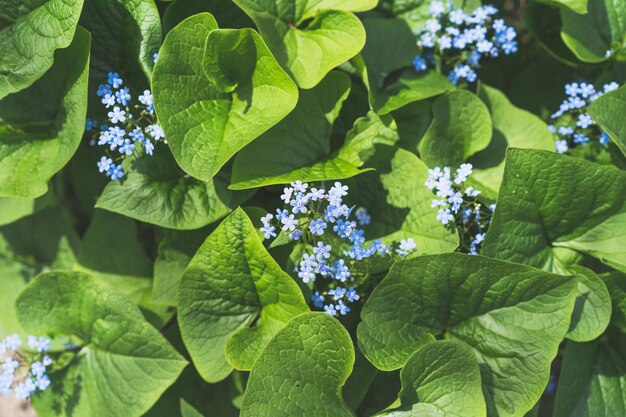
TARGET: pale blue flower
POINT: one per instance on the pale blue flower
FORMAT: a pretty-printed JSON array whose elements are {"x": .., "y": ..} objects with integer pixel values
[
  {"x": 117, "y": 115},
  {"x": 317, "y": 227}
]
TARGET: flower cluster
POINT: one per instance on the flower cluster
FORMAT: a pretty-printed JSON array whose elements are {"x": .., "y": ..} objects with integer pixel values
[
  {"x": 457, "y": 205},
  {"x": 335, "y": 244},
  {"x": 573, "y": 126},
  {"x": 24, "y": 372},
  {"x": 454, "y": 42},
  {"x": 128, "y": 129}
]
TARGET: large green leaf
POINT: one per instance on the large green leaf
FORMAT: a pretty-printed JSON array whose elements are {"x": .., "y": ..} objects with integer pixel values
[
  {"x": 513, "y": 317},
  {"x": 112, "y": 253},
  {"x": 399, "y": 203},
  {"x": 124, "y": 364},
  {"x": 301, "y": 371},
  {"x": 592, "y": 380},
  {"x": 27, "y": 247},
  {"x": 460, "y": 128},
  {"x": 233, "y": 298},
  {"x": 125, "y": 33},
  {"x": 157, "y": 191},
  {"x": 215, "y": 91},
  {"x": 309, "y": 38},
  {"x": 512, "y": 127},
  {"x": 227, "y": 13},
  {"x": 549, "y": 200},
  {"x": 41, "y": 126},
  {"x": 608, "y": 112},
  {"x": 441, "y": 379},
  {"x": 616, "y": 284},
  {"x": 35, "y": 30},
  {"x": 299, "y": 147},
  {"x": 591, "y": 35}
]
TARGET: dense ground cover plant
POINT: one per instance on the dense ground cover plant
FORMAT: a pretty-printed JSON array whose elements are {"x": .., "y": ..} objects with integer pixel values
[{"x": 282, "y": 208}]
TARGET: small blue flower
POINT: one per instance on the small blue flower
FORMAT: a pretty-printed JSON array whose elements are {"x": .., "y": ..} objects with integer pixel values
[
  {"x": 322, "y": 251},
  {"x": 123, "y": 96},
  {"x": 330, "y": 310},
  {"x": 127, "y": 147},
  {"x": 289, "y": 223},
  {"x": 561, "y": 146},
  {"x": 90, "y": 125},
  {"x": 318, "y": 299},
  {"x": 104, "y": 164},
  {"x": 103, "y": 90},
  {"x": 115, "y": 172},
  {"x": 604, "y": 138},
  {"x": 342, "y": 308},
  {"x": 117, "y": 115},
  {"x": 341, "y": 270},
  {"x": 362, "y": 216},
  {"x": 343, "y": 228},
  {"x": 317, "y": 227},
  {"x": 352, "y": 295},
  {"x": 114, "y": 80}
]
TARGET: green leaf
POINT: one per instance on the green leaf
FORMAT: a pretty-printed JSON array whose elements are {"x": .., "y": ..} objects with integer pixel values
[
  {"x": 592, "y": 380},
  {"x": 126, "y": 34},
  {"x": 15, "y": 208},
  {"x": 441, "y": 379},
  {"x": 541, "y": 21},
  {"x": 27, "y": 45},
  {"x": 299, "y": 147},
  {"x": 399, "y": 202},
  {"x": 512, "y": 127},
  {"x": 309, "y": 38},
  {"x": 301, "y": 371},
  {"x": 592, "y": 310},
  {"x": 27, "y": 247},
  {"x": 608, "y": 112},
  {"x": 460, "y": 128},
  {"x": 124, "y": 365},
  {"x": 215, "y": 91},
  {"x": 549, "y": 200},
  {"x": 233, "y": 298},
  {"x": 416, "y": 12},
  {"x": 600, "y": 30},
  {"x": 111, "y": 252},
  {"x": 513, "y": 317},
  {"x": 577, "y": 6},
  {"x": 157, "y": 191},
  {"x": 41, "y": 126},
  {"x": 225, "y": 12}
]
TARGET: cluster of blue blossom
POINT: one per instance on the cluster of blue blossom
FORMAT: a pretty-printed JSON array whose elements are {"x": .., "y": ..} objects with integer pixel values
[
  {"x": 315, "y": 214},
  {"x": 454, "y": 42},
  {"x": 125, "y": 131},
  {"x": 458, "y": 205},
  {"x": 24, "y": 372},
  {"x": 573, "y": 126}
]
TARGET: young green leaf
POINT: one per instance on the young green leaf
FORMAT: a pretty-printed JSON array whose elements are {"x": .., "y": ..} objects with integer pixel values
[
  {"x": 549, "y": 200},
  {"x": 157, "y": 191},
  {"x": 41, "y": 126},
  {"x": 36, "y": 30},
  {"x": 301, "y": 371},
  {"x": 577, "y": 6},
  {"x": 513, "y": 317},
  {"x": 441, "y": 379},
  {"x": 592, "y": 380},
  {"x": 124, "y": 364},
  {"x": 460, "y": 128},
  {"x": 215, "y": 91},
  {"x": 608, "y": 112},
  {"x": 512, "y": 127},
  {"x": 399, "y": 202},
  {"x": 309, "y": 38},
  {"x": 15, "y": 208},
  {"x": 233, "y": 298}
]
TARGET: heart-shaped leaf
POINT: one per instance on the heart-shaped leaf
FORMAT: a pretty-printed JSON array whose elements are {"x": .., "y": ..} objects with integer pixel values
[
  {"x": 441, "y": 379},
  {"x": 309, "y": 38},
  {"x": 460, "y": 128},
  {"x": 28, "y": 43},
  {"x": 124, "y": 365},
  {"x": 592, "y": 310},
  {"x": 215, "y": 91},
  {"x": 301, "y": 371},
  {"x": 513, "y": 317},
  {"x": 549, "y": 200},
  {"x": 233, "y": 298},
  {"x": 41, "y": 126}
]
